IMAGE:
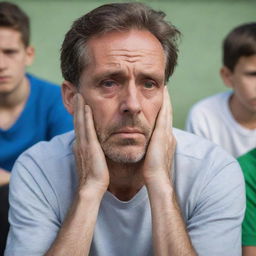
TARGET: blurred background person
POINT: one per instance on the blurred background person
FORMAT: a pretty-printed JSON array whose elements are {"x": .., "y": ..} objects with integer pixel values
[
  {"x": 31, "y": 109},
  {"x": 229, "y": 118}
]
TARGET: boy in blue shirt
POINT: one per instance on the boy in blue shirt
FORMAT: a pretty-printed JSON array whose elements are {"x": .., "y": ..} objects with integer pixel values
[{"x": 31, "y": 109}]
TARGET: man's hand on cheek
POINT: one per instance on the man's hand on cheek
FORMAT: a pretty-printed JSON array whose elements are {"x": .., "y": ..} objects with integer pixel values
[
  {"x": 158, "y": 160},
  {"x": 91, "y": 163}
]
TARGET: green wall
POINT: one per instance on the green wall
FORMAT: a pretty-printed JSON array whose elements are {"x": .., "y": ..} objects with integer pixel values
[{"x": 202, "y": 23}]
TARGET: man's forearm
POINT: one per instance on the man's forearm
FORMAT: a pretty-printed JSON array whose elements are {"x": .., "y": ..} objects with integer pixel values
[
  {"x": 75, "y": 235},
  {"x": 169, "y": 232}
]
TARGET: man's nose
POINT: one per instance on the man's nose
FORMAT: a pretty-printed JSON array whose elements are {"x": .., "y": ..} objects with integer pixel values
[{"x": 131, "y": 101}]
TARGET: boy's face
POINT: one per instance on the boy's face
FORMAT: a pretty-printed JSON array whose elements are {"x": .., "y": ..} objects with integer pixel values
[
  {"x": 243, "y": 81},
  {"x": 14, "y": 57}
]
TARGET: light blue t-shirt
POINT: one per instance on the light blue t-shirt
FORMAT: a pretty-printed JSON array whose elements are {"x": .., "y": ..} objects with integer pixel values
[
  {"x": 208, "y": 182},
  {"x": 43, "y": 117}
]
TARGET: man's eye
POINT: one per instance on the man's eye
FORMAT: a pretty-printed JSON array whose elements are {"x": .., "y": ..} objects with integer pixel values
[
  {"x": 108, "y": 83},
  {"x": 149, "y": 84}
]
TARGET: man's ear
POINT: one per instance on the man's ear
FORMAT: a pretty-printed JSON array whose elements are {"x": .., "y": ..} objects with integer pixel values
[
  {"x": 68, "y": 92},
  {"x": 30, "y": 54},
  {"x": 227, "y": 76}
]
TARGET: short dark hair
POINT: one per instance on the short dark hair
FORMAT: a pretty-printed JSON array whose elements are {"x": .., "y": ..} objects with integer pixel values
[
  {"x": 115, "y": 17},
  {"x": 240, "y": 42},
  {"x": 11, "y": 16}
]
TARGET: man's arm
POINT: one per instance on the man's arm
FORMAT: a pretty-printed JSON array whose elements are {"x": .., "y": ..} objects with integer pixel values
[
  {"x": 169, "y": 232},
  {"x": 4, "y": 177},
  {"x": 75, "y": 235}
]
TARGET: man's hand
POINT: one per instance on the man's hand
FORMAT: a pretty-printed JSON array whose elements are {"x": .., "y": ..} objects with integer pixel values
[
  {"x": 91, "y": 163},
  {"x": 4, "y": 177},
  {"x": 159, "y": 155},
  {"x": 75, "y": 235},
  {"x": 169, "y": 231}
]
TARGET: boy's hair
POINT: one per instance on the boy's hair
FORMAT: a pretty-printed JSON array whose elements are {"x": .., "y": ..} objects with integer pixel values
[
  {"x": 115, "y": 17},
  {"x": 240, "y": 42},
  {"x": 11, "y": 16}
]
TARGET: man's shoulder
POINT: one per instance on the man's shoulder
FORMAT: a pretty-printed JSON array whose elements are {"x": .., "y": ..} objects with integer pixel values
[
  {"x": 198, "y": 149},
  {"x": 200, "y": 165},
  {"x": 47, "y": 152}
]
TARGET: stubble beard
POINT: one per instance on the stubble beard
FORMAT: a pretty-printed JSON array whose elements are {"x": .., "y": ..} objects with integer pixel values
[{"x": 124, "y": 151}]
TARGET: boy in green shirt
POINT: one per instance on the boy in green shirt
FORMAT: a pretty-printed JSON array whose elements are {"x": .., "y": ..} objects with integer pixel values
[{"x": 248, "y": 165}]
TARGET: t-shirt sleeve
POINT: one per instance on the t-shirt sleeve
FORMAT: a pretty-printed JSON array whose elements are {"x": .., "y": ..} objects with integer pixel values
[
  {"x": 59, "y": 120},
  {"x": 33, "y": 219},
  {"x": 215, "y": 225}
]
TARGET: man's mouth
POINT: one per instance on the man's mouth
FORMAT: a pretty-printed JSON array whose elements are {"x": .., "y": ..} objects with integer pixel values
[{"x": 128, "y": 130}]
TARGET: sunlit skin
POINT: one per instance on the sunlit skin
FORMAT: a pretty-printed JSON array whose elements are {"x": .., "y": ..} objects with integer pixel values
[
  {"x": 243, "y": 81},
  {"x": 124, "y": 87}
]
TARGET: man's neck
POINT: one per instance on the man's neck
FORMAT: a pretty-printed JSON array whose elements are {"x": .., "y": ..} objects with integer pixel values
[
  {"x": 12, "y": 104},
  {"x": 125, "y": 180},
  {"x": 241, "y": 114}
]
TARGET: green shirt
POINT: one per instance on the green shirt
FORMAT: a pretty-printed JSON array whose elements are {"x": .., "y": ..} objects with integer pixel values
[{"x": 248, "y": 165}]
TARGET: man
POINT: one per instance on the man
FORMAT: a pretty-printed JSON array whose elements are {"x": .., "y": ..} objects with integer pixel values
[
  {"x": 248, "y": 165},
  {"x": 31, "y": 109},
  {"x": 229, "y": 118},
  {"x": 119, "y": 185}
]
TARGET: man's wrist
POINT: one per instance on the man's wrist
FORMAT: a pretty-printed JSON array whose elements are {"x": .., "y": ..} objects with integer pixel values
[
  {"x": 90, "y": 191},
  {"x": 159, "y": 184}
]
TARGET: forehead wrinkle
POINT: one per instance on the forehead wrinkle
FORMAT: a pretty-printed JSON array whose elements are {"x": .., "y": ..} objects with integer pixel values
[
  {"x": 133, "y": 52},
  {"x": 142, "y": 56}
]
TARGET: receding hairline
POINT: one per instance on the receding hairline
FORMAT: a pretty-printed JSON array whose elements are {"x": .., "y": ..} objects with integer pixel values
[{"x": 89, "y": 43}]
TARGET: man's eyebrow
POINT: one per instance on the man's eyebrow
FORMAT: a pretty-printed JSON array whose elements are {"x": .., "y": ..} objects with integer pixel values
[
  {"x": 109, "y": 73},
  {"x": 122, "y": 74},
  {"x": 152, "y": 75}
]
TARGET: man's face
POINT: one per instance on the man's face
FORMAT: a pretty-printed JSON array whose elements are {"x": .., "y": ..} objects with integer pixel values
[
  {"x": 124, "y": 85},
  {"x": 244, "y": 82},
  {"x": 14, "y": 57}
]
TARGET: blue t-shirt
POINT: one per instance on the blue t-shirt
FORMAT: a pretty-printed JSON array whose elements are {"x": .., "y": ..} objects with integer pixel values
[{"x": 43, "y": 117}]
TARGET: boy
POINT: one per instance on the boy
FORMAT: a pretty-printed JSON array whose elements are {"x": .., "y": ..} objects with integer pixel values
[
  {"x": 31, "y": 109},
  {"x": 229, "y": 118}
]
